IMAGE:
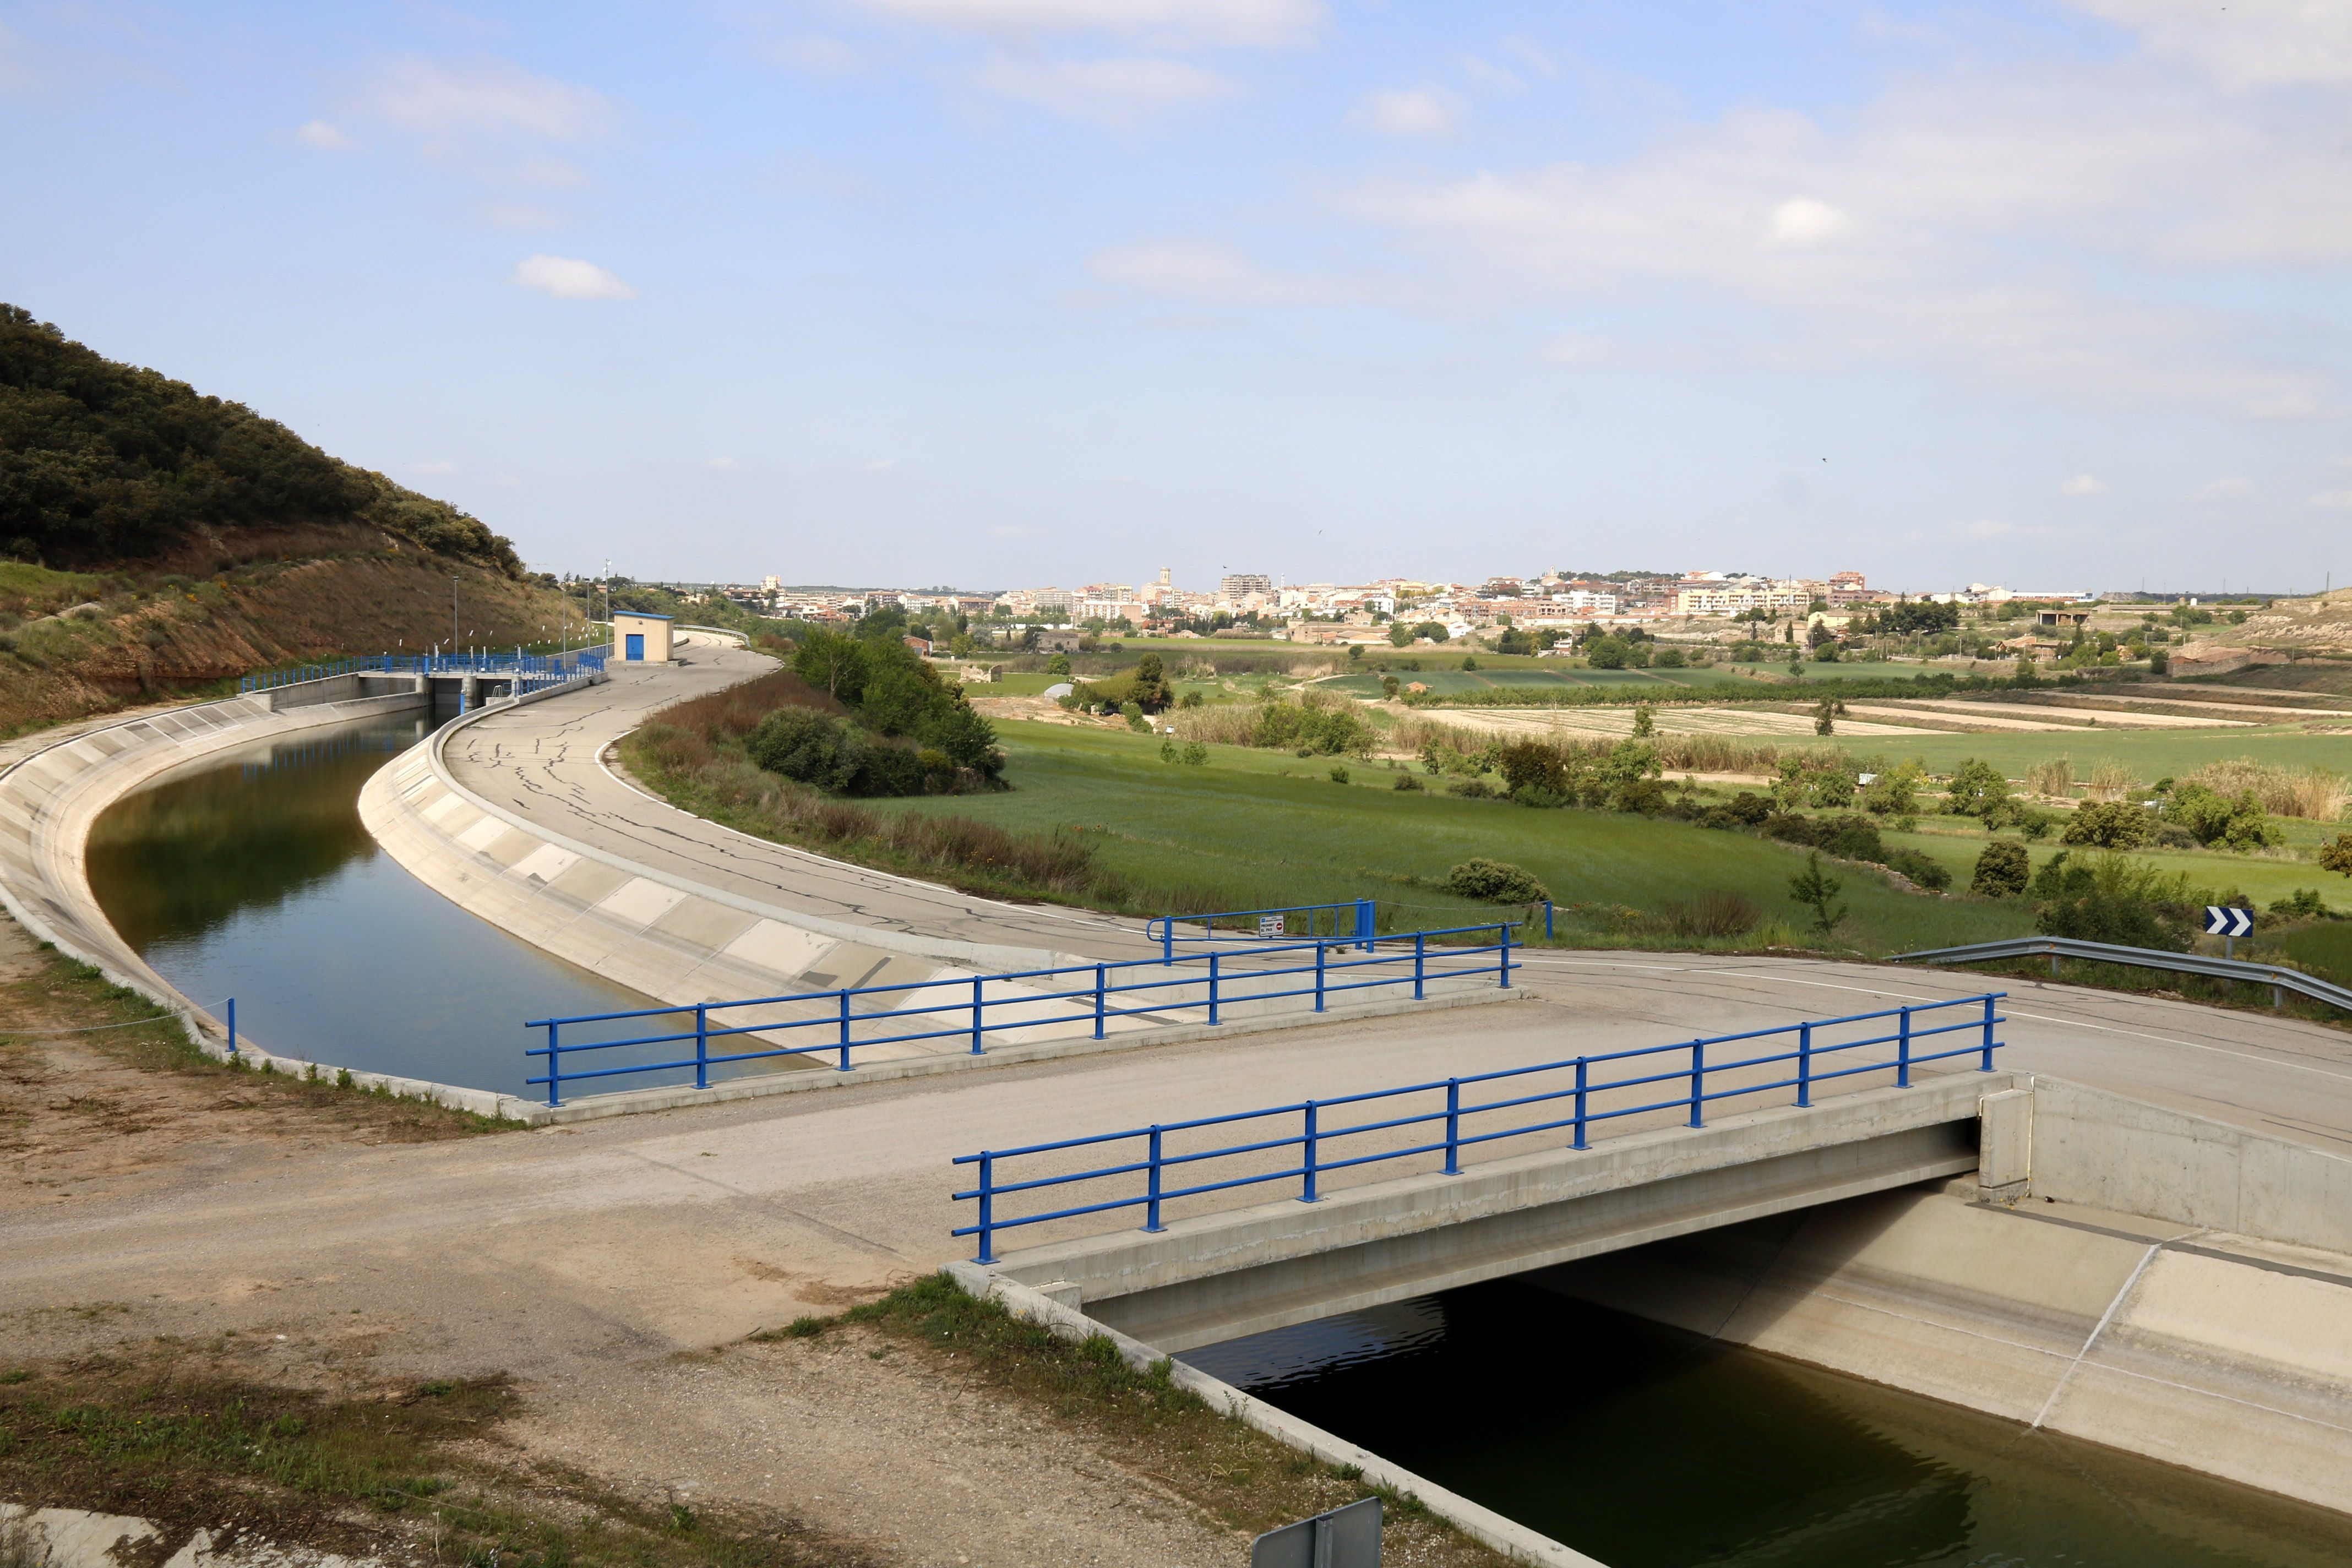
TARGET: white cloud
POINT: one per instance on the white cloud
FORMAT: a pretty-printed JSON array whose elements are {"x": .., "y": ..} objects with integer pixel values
[
  {"x": 818, "y": 56},
  {"x": 2334, "y": 500},
  {"x": 2244, "y": 43},
  {"x": 563, "y": 278},
  {"x": 1197, "y": 271},
  {"x": 1408, "y": 111},
  {"x": 325, "y": 137},
  {"x": 486, "y": 97},
  {"x": 1487, "y": 74},
  {"x": 439, "y": 466},
  {"x": 1159, "y": 24},
  {"x": 2224, "y": 490},
  {"x": 1801, "y": 223},
  {"x": 1532, "y": 55},
  {"x": 2084, "y": 485},
  {"x": 1121, "y": 91}
]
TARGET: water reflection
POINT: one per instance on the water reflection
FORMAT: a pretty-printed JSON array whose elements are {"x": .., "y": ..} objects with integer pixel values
[
  {"x": 1648, "y": 1447},
  {"x": 251, "y": 876}
]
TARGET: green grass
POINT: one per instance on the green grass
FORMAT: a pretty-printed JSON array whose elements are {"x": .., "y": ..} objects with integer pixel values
[
  {"x": 1256, "y": 829},
  {"x": 1958, "y": 841},
  {"x": 2324, "y": 950},
  {"x": 2151, "y": 754},
  {"x": 40, "y": 583}
]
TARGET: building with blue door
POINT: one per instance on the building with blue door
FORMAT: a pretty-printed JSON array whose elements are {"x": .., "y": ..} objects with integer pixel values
[{"x": 641, "y": 638}]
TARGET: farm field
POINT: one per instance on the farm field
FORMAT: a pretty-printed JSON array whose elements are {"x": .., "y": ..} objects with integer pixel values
[
  {"x": 1256, "y": 828},
  {"x": 1957, "y": 843},
  {"x": 2150, "y": 755},
  {"x": 1518, "y": 722}
]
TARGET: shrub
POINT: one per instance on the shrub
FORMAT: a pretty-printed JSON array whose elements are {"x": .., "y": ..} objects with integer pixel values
[
  {"x": 1532, "y": 764},
  {"x": 805, "y": 744},
  {"x": 2108, "y": 825},
  {"x": 1195, "y": 754},
  {"x": 1339, "y": 776},
  {"x": 2212, "y": 818},
  {"x": 1748, "y": 808},
  {"x": 1921, "y": 870},
  {"x": 2112, "y": 899},
  {"x": 1472, "y": 789},
  {"x": 1406, "y": 782},
  {"x": 1815, "y": 891},
  {"x": 1711, "y": 915},
  {"x": 1978, "y": 789},
  {"x": 2313, "y": 794},
  {"x": 2336, "y": 854},
  {"x": 1496, "y": 882},
  {"x": 1894, "y": 792},
  {"x": 2002, "y": 870}
]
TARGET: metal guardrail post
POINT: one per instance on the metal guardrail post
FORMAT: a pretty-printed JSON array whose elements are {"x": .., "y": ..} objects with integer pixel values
[
  {"x": 1699, "y": 1082},
  {"x": 976, "y": 1005},
  {"x": 1151, "y": 1185},
  {"x": 1987, "y": 1036},
  {"x": 702, "y": 1045},
  {"x": 1168, "y": 938},
  {"x": 844, "y": 1036},
  {"x": 1368, "y": 919},
  {"x": 1307, "y": 1196},
  {"x": 1420, "y": 956},
  {"x": 1212, "y": 988},
  {"x": 555, "y": 1065},
  {"x": 1507, "y": 956},
  {"x": 2053, "y": 963},
  {"x": 1903, "y": 1050},
  {"x": 1099, "y": 1001},
  {"x": 1452, "y": 1126},
  {"x": 1582, "y": 1071},
  {"x": 1805, "y": 1064},
  {"x": 1320, "y": 948},
  {"x": 987, "y": 1208}
]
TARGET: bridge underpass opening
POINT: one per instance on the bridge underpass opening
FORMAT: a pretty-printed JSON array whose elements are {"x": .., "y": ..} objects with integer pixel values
[{"x": 1617, "y": 1406}]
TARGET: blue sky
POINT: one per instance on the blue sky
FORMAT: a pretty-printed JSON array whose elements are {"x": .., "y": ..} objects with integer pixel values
[{"x": 1007, "y": 292}]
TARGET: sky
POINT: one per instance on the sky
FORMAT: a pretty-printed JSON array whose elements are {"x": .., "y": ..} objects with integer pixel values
[{"x": 2050, "y": 293}]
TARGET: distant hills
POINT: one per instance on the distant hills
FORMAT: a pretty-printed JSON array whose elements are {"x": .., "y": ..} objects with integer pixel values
[{"x": 106, "y": 465}]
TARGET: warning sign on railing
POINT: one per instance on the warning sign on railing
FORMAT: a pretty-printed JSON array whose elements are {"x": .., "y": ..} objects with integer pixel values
[{"x": 1272, "y": 925}]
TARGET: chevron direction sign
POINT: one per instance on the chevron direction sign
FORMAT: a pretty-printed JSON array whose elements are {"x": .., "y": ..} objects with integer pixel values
[{"x": 2225, "y": 920}]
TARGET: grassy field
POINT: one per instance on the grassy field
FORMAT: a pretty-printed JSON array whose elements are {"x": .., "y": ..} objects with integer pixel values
[
  {"x": 2151, "y": 754},
  {"x": 1254, "y": 829},
  {"x": 1958, "y": 841}
]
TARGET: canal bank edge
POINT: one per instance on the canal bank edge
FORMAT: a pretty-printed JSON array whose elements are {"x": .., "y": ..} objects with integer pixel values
[
  {"x": 1482, "y": 1524},
  {"x": 50, "y": 798},
  {"x": 681, "y": 942}
]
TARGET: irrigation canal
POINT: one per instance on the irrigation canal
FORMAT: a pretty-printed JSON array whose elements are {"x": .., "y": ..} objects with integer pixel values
[
  {"x": 1643, "y": 1446},
  {"x": 250, "y": 876},
  {"x": 1648, "y": 1446}
]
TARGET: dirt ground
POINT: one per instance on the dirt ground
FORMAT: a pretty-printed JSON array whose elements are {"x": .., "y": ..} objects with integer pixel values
[{"x": 891, "y": 1450}]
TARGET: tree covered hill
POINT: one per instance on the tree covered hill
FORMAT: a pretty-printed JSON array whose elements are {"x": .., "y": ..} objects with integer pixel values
[{"x": 109, "y": 464}]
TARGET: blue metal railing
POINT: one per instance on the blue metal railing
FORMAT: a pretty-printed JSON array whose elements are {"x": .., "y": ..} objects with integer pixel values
[
  {"x": 971, "y": 1009},
  {"x": 1349, "y": 921},
  {"x": 1688, "y": 1070},
  {"x": 536, "y": 670}
]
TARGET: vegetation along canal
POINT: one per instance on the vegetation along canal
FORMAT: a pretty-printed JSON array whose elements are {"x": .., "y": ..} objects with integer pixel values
[
  {"x": 249, "y": 875},
  {"x": 1646, "y": 1447}
]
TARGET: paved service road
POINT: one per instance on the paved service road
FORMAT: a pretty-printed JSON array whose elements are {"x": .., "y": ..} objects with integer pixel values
[
  {"x": 543, "y": 762},
  {"x": 686, "y": 1228}
]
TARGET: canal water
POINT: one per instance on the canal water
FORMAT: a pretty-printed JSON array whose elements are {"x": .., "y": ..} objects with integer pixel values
[
  {"x": 1646, "y": 1447},
  {"x": 250, "y": 875}
]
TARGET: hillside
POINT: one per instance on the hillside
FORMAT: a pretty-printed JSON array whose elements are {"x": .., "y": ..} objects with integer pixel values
[
  {"x": 153, "y": 539},
  {"x": 2287, "y": 632}
]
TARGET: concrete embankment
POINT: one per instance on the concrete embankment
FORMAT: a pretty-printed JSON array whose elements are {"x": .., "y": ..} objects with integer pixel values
[
  {"x": 2147, "y": 1279},
  {"x": 683, "y": 941},
  {"x": 52, "y": 795}
]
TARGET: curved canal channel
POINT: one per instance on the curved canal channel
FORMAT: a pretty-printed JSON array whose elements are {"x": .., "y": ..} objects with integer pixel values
[
  {"x": 1648, "y": 1446},
  {"x": 249, "y": 875}
]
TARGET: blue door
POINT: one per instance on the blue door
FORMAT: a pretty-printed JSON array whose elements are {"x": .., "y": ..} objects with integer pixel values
[{"x": 636, "y": 649}]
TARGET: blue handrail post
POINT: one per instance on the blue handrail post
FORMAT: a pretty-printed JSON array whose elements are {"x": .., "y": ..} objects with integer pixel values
[
  {"x": 1582, "y": 1072},
  {"x": 702, "y": 1045},
  {"x": 1420, "y": 954},
  {"x": 976, "y": 1005},
  {"x": 844, "y": 1045},
  {"x": 1307, "y": 1196},
  {"x": 1988, "y": 1035},
  {"x": 1168, "y": 938},
  {"x": 1804, "y": 1064},
  {"x": 1547, "y": 920},
  {"x": 1151, "y": 1186},
  {"x": 1099, "y": 1001},
  {"x": 1320, "y": 947},
  {"x": 555, "y": 1065},
  {"x": 1903, "y": 1051},
  {"x": 987, "y": 1208},
  {"x": 1367, "y": 916},
  {"x": 1698, "y": 1081},
  {"x": 1507, "y": 955},
  {"x": 1452, "y": 1126},
  {"x": 232, "y": 1025},
  {"x": 1212, "y": 988}
]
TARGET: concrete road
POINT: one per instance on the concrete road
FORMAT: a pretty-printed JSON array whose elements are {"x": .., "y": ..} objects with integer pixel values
[
  {"x": 544, "y": 762},
  {"x": 686, "y": 1228}
]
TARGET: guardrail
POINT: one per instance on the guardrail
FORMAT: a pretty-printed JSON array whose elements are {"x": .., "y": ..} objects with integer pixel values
[
  {"x": 1000, "y": 1002},
  {"x": 539, "y": 669},
  {"x": 1152, "y": 1159},
  {"x": 1350, "y": 921},
  {"x": 2279, "y": 979}
]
